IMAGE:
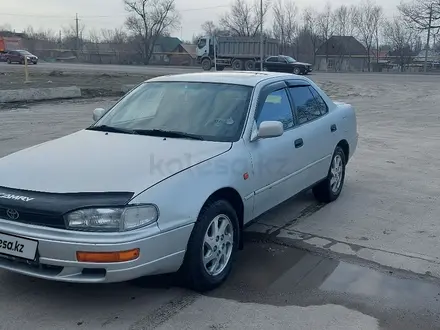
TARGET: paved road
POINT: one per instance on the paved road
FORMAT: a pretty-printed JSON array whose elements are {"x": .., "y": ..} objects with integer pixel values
[
  {"x": 153, "y": 70},
  {"x": 134, "y": 69}
]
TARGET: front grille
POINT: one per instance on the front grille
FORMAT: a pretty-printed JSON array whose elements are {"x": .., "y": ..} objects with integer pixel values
[{"x": 34, "y": 218}]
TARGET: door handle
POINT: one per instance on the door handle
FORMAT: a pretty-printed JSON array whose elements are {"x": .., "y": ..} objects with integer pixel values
[
  {"x": 299, "y": 143},
  {"x": 333, "y": 128}
]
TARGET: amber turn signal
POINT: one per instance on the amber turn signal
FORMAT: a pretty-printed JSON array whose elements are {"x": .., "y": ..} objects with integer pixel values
[{"x": 119, "y": 256}]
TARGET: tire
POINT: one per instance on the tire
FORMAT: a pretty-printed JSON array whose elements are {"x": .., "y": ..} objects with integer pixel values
[
  {"x": 326, "y": 191},
  {"x": 195, "y": 270},
  {"x": 237, "y": 65},
  {"x": 249, "y": 65},
  {"x": 206, "y": 64},
  {"x": 8, "y": 61},
  {"x": 297, "y": 71}
]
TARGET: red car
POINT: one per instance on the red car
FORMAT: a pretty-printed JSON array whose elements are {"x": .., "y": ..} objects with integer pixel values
[{"x": 18, "y": 56}]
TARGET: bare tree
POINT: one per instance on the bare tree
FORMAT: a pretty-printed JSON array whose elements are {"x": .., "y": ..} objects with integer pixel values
[
  {"x": 366, "y": 21},
  {"x": 284, "y": 25},
  {"x": 310, "y": 18},
  {"x": 148, "y": 20},
  {"x": 46, "y": 35},
  {"x": 70, "y": 39},
  {"x": 400, "y": 37},
  {"x": 117, "y": 41},
  {"x": 424, "y": 16},
  {"x": 243, "y": 19},
  {"x": 5, "y": 27},
  {"x": 210, "y": 28},
  {"x": 325, "y": 26},
  {"x": 343, "y": 20},
  {"x": 93, "y": 46}
]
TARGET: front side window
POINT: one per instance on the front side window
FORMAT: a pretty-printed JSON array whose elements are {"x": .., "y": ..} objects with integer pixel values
[
  {"x": 307, "y": 108},
  {"x": 210, "y": 111},
  {"x": 290, "y": 59},
  {"x": 276, "y": 107},
  {"x": 201, "y": 43}
]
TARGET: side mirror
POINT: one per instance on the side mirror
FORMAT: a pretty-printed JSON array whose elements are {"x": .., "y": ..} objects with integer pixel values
[
  {"x": 98, "y": 113},
  {"x": 270, "y": 129}
]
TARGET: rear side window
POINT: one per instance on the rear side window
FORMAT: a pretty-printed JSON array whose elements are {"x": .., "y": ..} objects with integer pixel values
[
  {"x": 323, "y": 108},
  {"x": 306, "y": 107},
  {"x": 272, "y": 59},
  {"x": 276, "y": 108}
]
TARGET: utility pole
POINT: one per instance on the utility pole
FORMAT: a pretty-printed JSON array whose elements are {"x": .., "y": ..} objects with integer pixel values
[
  {"x": 77, "y": 32},
  {"x": 261, "y": 36},
  {"x": 425, "y": 66}
]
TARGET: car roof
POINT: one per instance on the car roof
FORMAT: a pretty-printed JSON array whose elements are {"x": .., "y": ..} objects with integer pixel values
[{"x": 247, "y": 78}]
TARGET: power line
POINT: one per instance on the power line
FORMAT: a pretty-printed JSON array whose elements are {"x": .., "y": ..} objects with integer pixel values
[{"x": 103, "y": 16}]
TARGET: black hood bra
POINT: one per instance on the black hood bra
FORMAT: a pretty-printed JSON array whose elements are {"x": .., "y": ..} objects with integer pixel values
[{"x": 48, "y": 209}]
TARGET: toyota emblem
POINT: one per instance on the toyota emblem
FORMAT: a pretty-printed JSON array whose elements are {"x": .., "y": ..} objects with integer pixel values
[{"x": 12, "y": 214}]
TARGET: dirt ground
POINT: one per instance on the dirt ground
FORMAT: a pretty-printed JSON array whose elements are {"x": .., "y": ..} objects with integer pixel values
[
  {"x": 387, "y": 218},
  {"x": 92, "y": 84}
]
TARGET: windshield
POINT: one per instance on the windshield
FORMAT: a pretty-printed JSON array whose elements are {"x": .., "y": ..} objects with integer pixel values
[
  {"x": 210, "y": 111},
  {"x": 289, "y": 59},
  {"x": 24, "y": 52}
]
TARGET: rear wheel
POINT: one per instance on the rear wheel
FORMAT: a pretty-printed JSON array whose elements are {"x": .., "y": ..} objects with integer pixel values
[
  {"x": 237, "y": 64},
  {"x": 211, "y": 247},
  {"x": 8, "y": 61},
  {"x": 250, "y": 65},
  {"x": 329, "y": 190},
  {"x": 206, "y": 64}
]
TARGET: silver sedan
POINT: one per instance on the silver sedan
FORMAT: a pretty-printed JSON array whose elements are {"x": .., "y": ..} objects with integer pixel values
[{"x": 166, "y": 179}]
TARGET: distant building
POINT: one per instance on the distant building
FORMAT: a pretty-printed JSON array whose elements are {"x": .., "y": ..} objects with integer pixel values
[
  {"x": 342, "y": 53},
  {"x": 171, "y": 51}
]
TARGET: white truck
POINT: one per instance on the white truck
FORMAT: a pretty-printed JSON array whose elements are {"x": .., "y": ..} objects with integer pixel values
[{"x": 240, "y": 53}]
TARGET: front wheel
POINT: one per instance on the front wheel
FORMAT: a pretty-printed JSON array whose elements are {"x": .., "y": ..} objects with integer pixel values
[
  {"x": 297, "y": 71},
  {"x": 206, "y": 64},
  {"x": 329, "y": 190},
  {"x": 211, "y": 247}
]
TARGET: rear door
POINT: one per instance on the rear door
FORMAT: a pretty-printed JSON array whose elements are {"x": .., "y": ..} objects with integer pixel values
[
  {"x": 313, "y": 120},
  {"x": 15, "y": 56},
  {"x": 271, "y": 63}
]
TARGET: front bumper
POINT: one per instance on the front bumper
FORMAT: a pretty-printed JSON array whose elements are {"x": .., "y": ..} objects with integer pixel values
[{"x": 160, "y": 252}]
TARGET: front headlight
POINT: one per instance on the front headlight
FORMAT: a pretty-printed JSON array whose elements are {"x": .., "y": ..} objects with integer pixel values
[{"x": 112, "y": 219}]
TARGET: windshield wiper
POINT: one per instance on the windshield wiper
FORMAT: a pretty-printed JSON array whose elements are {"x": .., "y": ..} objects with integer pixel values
[
  {"x": 112, "y": 129},
  {"x": 171, "y": 134}
]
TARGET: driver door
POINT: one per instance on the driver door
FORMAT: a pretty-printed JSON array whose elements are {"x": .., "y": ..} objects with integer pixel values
[{"x": 276, "y": 169}]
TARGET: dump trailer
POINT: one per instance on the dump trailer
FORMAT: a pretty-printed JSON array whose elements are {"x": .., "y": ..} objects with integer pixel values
[
  {"x": 240, "y": 53},
  {"x": 10, "y": 43}
]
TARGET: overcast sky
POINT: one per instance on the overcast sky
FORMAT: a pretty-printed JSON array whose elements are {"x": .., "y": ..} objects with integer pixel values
[{"x": 99, "y": 14}]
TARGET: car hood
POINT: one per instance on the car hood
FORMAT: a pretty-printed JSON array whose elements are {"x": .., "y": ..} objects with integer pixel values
[{"x": 91, "y": 161}]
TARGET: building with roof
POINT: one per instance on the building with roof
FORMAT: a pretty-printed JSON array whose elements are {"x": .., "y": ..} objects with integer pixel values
[
  {"x": 171, "y": 51},
  {"x": 342, "y": 53}
]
